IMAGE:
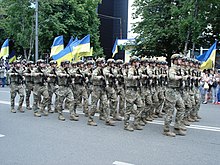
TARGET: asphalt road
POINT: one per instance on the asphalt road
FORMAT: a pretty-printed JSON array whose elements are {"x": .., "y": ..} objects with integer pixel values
[{"x": 27, "y": 140}]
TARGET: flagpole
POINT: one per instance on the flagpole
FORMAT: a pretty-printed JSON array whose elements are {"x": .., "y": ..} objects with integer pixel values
[{"x": 36, "y": 30}]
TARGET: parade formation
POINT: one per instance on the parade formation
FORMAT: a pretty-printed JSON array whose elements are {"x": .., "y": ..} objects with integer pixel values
[{"x": 145, "y": 88}]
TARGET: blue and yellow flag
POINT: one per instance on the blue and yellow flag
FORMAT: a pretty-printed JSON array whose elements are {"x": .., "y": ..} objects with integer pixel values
[
  {"x": 71, "y": 40},
  {"x": 115, "y": 48},
  {"x": 84, "y": 45},
  {"x": 67, "y": 53},
  {"x": 5, "y": 49},
  {"x": 12, "y": 56},
  {"x": 208, "y": 58},
  {"x": 57, "y": 46}
]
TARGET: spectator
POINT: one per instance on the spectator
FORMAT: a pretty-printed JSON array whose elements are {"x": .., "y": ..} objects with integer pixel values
[
  {"x": 213, "y": 85},
  {"x": 205, "y": 85},
  {"x": 2, "y": 75}
]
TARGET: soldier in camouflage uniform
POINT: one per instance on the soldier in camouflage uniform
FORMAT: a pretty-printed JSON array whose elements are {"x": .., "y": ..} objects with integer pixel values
[
  {"x": 99, "y": 92},
  {"x": 120, "y": 72},
  {"x": 52, "y": 84},
  {"x": 145, "y": 91},
  {"x": 16, "y": 86},
  {"x": 133, "y": 96},
  {"x": 40, "y": 89},
  {"x": 29, "y": 84},
  {"x": 174, "y": 100},
  {"x": 64, "y": 91},
  {"x": 110, "y": 75},
  {"x": 88, "y": 73},
  {"x": 78, "y": 88}
]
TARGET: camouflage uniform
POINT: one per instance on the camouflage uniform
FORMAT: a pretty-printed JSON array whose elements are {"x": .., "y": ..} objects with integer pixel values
[
  {"x": 16, "y": 86},
  {"x": 99, "y": 92},
  {"x": 174, "y": 100},
  {"x": 40, "y": 89},
  {"x": 110, "y": 75},
  {"x": 52, "y": 84},
  {"x": 64, "y": 91},
  {"x": 79, "y": 89},
  {"x": 29, "y": 84},
  {"x": 132, "y": 82}
]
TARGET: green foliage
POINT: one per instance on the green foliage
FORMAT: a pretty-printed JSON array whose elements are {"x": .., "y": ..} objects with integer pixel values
[
  {"x": 56, "y": 17},
  {"x": 169, "y": 26}
]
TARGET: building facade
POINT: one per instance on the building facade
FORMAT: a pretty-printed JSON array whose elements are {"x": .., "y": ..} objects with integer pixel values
[{"x": 113, "y": 16}]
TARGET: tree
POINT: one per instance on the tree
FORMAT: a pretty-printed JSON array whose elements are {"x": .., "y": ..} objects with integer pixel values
[
  {"x": 170, "y": 26},
  {"x": 56, "y": 17}
]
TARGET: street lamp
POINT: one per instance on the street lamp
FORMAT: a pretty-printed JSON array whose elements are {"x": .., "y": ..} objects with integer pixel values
[
  {"x": 36, "y": 30},
  {"x": 117, "y": 18}
]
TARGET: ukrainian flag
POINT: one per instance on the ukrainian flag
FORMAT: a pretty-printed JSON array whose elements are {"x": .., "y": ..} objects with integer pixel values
[
  {"x": 115, "y": 48},
  {"x": 12, "y": 56},
  {"x": 57, "y": 46},
  {"x": 71, "y": 40},
  {"x": 84, "y": 45},
  {"x": 67, "y": 53},
  {"x": 208, "y": 58},
  {"x": 5, "y": 49}
]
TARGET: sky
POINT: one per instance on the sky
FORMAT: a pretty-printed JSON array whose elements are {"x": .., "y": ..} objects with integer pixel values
[{"x": 131, "y": 20}]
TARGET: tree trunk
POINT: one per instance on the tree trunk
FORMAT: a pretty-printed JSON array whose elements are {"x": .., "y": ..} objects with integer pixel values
[
  {"x": 31, "y": 40},
  {"x": 187, "y": 41}
]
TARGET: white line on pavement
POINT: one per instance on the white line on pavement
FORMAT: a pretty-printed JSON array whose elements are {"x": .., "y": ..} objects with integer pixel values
[
  {"x": 1, "y": 135},
  {"x": 121, "y": 163},
  {"x": 199, "y": 127}
]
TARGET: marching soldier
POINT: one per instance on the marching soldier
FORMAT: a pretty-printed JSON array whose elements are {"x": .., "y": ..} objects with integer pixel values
[
  {"x": 52, "y": 84},
  {"x": 110, "y": 75},
  {"x": 16, "y": 79},
  {"x": 99, "y": 92},
  {"x": 64, "y": 91},
  {"x": 29, "y": 84},
  {"x": 133, "y": 96},
  {"x": 40, "y": 89},
  {"x": 174, "y": 100},
  {"x": 120, "y": 86}
]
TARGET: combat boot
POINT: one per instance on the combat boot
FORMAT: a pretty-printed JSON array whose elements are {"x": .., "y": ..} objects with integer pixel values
[
  {"x": 45, "y": 113},
  {"x": 129, "y": 128},
  {"x": 92, "y": 123},
  {"x": 160, "y": 115},
  {"x": 87, "y": 114},
  {"x": 110, "y": 123},
  {"x": 61, "y": 117},
  {"x": 169, "y": 133},
  {"x": 144, "y": 120},
  {"x": 180, "y": 132},
  {"x": 13, "y": 110},
  {"x": 138, "y": 127},
  {"x": 141, "y": 123},
  {"x": 28, "y": 108},
  {"x": 186, "y": 123},
  {"x": 101, "y": 118},
  {"x": 149, "y": 118},
  {"x": 50, "y": 111},
  {"x": 154, "y": 116},
  {"x": 37, "y": 114},
  {"x": 117, "y": 118},
  {"x": 20, "y": 109},
  {"x": 74, "y": 118},
  {"x": 190, "y": 119},
  {"x": 195, "y": 119},
  {"x": 199, "y": 117}
]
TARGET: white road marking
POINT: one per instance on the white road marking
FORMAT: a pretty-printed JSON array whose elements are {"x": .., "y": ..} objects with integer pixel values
[
  {"x": 121, "y": 163},
  {"x": 199, "y": 127},
  {"x": 4, "y": 91},
  {"x": 1, "y": 135}
]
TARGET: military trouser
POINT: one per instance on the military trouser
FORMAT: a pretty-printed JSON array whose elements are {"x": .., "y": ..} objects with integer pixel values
[
  {"x": 80, "y": 93},
  {"x": 197, "y": 103},
  {"x": 16, "y": 88},
  {"x": 64, "y": 93},
  {"x": 161, "y": 97},
  {"x": 155, "y": 99},
  {"x": 28, "y": 88},
  {"x": 38, "y": 91},
  {"x": 173, "y": 100},
  {"x": 112, "y": 98},
  {"x": 99, "y": 92},
  {"x": 188, "y": 103},
  {"x": 133, "y": 97},
  {"x": 121, "y": 94},
  {"x": 147, "y": 101},
  {"x": 52, "y": 89}
]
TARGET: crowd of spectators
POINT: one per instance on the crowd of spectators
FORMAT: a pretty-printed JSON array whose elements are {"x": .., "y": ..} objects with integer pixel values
[
  {"x": 210, "y": 86},
  {"x": 4, "y": 67}
]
